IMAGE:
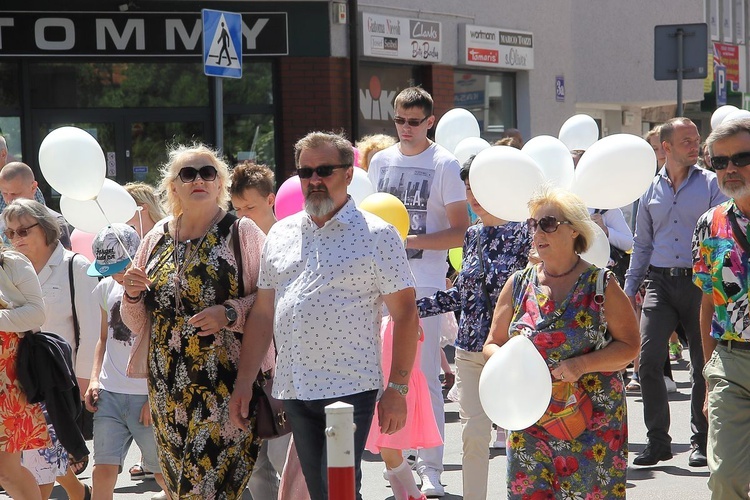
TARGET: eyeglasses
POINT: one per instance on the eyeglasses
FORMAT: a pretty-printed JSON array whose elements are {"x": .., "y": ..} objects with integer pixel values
[
  {"x": 21, "y": 232},
  {"x": 321, "y": 170},
  {"x": 548, "y": 223},
  {"x": 189, "y": 174},
  {"x": 739, "y": 160},
  {"x": 413, "y": 122}
]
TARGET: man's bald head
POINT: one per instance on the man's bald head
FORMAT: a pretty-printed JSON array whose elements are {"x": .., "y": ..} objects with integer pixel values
[{"x": 17, "y": 181}]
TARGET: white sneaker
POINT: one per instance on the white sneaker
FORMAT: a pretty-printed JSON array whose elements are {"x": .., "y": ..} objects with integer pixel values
[
  {"x": 499, "y": 443},
  {"x": 162, "y": 495},
  {"x": 431, "y": 486},
  {"x": 671, "y": 386}
]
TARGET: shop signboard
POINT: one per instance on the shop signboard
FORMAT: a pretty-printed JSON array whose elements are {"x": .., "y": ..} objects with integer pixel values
[
  {"x": 401, "y": 38},
  {"x": 495, "y": 47}
]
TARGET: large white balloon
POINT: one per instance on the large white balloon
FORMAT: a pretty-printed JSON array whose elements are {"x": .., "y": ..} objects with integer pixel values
[
  {"x": 86, "y": 216},
  {"x": 739, "y": 114},
  {"x": 615, "y": 171},
  {"x": 553, "y": 157},
  {"x": 469, "y": 147},
  {"x": 515, "y": 386},
  {"x": 73, "y": 163},
  {"x": 718, "y": 116},
  {"x": 360, "y": 187},
  {"x": 579, "y": 132},
  {"x": 598, "y": 252},
  {"x": 455, "y": 126},
  {"x": 503, "y": 180}
]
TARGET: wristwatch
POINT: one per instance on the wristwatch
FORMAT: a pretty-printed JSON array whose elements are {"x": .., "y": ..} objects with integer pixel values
[
  {"x": 401, "y": 388},
  {"x": 231, "y": 314}
]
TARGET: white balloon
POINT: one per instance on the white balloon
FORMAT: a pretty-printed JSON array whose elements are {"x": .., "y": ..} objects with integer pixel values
[
  {"x": 739, "y": 114},
  {"x": 515, "y": 386},
  {"x": 503, "y": 180},
  {"x": 86, "y": 216},
  {"x": 615, "y": 171},
  {"x": 455, "y": 126},
  {"x": 718, "y": 116},
  {"x": 360, "y": 187},
  {"x": 469, "y": 147},
  {"x": 553, "y": 157},
  {"x": 579, "y": 132},
  {"x": 73, "y": 163},
  {"x": 598, "y": 252}
]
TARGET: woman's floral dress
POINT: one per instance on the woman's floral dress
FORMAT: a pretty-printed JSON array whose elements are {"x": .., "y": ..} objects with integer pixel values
[
  {"x": 22, "y": 425},
  {"x": 593, "y": 466},
  {"x": 201, "y": 453}
]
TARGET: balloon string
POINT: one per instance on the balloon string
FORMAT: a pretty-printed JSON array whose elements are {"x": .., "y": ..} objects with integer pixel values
[{"x": 96, "y": 200}]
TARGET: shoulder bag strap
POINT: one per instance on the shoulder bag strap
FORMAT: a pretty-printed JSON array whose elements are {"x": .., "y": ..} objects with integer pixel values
[
  {"x": 238, "y": 254},
  {"x": 480, "y": 256},
  {"x": 76, "y": 326}
]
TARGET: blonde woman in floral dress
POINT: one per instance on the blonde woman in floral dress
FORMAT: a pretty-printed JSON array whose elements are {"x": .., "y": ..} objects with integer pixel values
[{"x": 183, "y": 300}]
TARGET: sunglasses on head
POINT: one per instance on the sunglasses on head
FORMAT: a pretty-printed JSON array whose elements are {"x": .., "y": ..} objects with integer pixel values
[
  {"x": 548, "y": 223},
  {"x": 413, "y": 122},
  {"x": 21, "y": 232},
  {"x": 189, "y": 174},
  {"x": 739, "y": 160},
  {"x": 321, "y": 170}
]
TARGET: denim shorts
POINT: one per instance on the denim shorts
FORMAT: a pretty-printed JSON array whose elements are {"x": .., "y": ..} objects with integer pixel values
[{"x": 116, "y": 424}]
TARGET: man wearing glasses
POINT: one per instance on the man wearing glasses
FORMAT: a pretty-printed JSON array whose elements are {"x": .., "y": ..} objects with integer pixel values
[
  {"x": 325, "y": 274},
  {"x": 425, "y": 177},
  {"x": 679, "y": 194},
  {"x": 720, "y": 255}
]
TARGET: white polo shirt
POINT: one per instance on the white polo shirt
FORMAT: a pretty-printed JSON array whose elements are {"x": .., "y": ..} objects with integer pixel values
[{"x": 329, "y": 284}]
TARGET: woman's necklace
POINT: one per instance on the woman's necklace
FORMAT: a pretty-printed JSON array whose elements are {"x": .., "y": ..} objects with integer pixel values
[
  {"x": 549, "y": 274},
  {"x": 191, "y": 251}
]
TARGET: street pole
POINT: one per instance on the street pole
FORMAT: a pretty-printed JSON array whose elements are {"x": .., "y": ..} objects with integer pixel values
[
  {"x": 219, "y": 113},
  {"x": 680, "y": 69}
]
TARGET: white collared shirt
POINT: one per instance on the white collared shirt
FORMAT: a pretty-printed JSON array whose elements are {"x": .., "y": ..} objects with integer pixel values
[{"x": 329, "y": 284}]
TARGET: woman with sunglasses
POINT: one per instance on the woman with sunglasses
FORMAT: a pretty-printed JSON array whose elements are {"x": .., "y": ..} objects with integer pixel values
[
  {"x": 186, "y": 300},
  {"x": 493, "y": 250},
  {"x": 586, "y": 340},
  {"x": 35, "y": 232}
]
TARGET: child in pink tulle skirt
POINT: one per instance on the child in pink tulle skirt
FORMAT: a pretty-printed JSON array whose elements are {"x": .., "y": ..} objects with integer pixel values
[{"x": 420, "y": 430}]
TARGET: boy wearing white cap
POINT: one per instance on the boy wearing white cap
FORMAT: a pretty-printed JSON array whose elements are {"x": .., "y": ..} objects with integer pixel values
[{"x": 120, "y": 404}]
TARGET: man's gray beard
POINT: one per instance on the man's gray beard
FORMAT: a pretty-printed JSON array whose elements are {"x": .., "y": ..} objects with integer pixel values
[
  {"x": 735, "y": 191},
  {"x": 319, "y": 208}
]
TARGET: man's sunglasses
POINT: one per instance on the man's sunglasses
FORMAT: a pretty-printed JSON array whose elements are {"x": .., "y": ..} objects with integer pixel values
[
  {"x": 321, "y": 170},
  {"x": 548, "y": 223},
  {"x": 740, "y": 160},
  {"x": 189, "y": 174},
  {"x": 413, "y": 122},
  {"x": 21, "y": 232}
]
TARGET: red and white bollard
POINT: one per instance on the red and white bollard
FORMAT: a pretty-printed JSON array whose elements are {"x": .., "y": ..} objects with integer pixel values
[{"x": 340, "y": 445}]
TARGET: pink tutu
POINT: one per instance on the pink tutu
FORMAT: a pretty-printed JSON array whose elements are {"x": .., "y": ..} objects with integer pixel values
[{"x": 420, "y": 430}]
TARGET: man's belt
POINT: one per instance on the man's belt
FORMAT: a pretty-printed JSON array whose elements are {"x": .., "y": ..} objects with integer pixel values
[
  {"x": 672, "y": 271},
  {"x": 735, "y": 344}
]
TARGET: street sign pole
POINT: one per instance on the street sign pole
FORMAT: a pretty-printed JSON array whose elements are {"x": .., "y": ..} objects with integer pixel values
[
  {"x": 219, "y": 113},
  {"x": 672, "y": 45},
  {"x": 680, "y": 69}
]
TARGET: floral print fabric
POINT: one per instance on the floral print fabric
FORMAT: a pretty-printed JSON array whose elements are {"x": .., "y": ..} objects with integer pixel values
[
  {"x": 594, "y": 465},
  {"x": 22, "y": 425},
  {"x": 202, "y": 454}
]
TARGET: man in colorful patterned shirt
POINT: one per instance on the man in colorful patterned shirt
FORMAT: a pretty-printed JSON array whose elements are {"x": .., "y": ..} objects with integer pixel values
[{"x": 720, "y": 269}]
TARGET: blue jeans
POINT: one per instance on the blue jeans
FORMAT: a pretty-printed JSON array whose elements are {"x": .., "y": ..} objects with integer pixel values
[{"x": 308, "y": 419}]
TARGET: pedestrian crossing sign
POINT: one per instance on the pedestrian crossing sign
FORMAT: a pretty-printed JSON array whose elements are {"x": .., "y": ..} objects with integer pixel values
[{"x": 222, "y": 43}]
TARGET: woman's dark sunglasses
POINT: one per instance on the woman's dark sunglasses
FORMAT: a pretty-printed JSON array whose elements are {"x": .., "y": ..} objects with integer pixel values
[
  {"x": 22, "y": 232},
  {"x": 548, "y": 223},
  {"x": 321, "y": 170},
  {"x": 188, "y": 174},
  {"x": 740, "y": 160}
]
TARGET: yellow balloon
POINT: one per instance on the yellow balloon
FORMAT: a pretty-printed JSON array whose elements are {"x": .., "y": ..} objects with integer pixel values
[
  {"x": 390, "y": 209},
  {"x": 456, "y": 257}
]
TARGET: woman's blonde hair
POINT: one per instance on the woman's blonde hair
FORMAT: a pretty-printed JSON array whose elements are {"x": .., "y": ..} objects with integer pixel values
[
  {"x": 169, "y": 174},
  {"x": 572, "y": 209},
  {"x": 372, "y": 144},
  {"x": 144, "y": 194}
]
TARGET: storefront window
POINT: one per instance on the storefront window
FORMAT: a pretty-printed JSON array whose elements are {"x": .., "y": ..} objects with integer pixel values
[
  {"x": 491, "y": 97},
  {"x": 10, "y": 129},
  {"x": 379, "y": 84},
  {"x": 249, "y": 137},
  {"x": 254, "y": 88},
  {"x": 9, "y": 86}
]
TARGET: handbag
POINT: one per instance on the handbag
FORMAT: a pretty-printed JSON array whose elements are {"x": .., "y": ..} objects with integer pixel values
[
  {"x": 569, "y": 412},
  {"x": 270, "y": 417}
]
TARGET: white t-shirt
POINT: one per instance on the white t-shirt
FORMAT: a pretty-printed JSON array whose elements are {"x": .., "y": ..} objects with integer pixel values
[
  {"x": 426, "y": 183},
  {"x": 108, "y": 294}
]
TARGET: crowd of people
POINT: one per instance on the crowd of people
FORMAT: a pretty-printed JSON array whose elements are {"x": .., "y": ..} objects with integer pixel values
[{"x": 203, "y": 296}]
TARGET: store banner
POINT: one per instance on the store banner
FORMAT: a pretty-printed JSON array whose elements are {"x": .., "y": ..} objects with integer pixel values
[
  {"x": 728, "y": 55},
  {"x": 495, "y": 47},
  {"x": 401, "y": 38}
]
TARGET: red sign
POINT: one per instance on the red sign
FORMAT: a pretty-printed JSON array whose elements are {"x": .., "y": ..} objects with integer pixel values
[
  {"x": 483, "y": 55},
  {"x": 729, "y": 57}
]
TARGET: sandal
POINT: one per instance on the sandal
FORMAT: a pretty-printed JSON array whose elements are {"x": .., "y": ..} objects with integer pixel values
[
  {"x": 86, "y": 492},
  {"x": 78, "y": 466},
  {"x": 136, "y": 471}
]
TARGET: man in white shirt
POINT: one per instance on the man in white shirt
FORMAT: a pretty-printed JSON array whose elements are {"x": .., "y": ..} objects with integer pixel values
[
  {"x": 325, "y": 274},
  {"x": 426, "y": 178}
]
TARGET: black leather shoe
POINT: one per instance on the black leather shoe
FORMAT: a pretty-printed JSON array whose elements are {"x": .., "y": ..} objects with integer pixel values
[
  {"x": 652, "y": 455},
  {"x": 697, "y": 458}
]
